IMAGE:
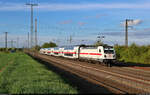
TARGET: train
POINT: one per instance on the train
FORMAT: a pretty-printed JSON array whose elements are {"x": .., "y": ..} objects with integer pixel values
[{"x": 101, "y": 54}]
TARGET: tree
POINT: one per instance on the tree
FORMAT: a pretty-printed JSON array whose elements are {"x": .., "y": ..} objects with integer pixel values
[{"x": 48, "y": 45}]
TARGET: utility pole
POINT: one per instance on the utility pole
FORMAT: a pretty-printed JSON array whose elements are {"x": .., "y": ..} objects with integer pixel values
[
  {"x": 26, "y": 44},
  {"x": 35, "y": 32},
  {"x": 28, "y": 40},
  {"x": 32, "y": 5},
  {"x": 6, "y": 39},
  {"x": 70, "y": 39},
  {"x": 17, "y": 42},
  {"x": 12, "y": 43},
  {"x": 126, "y": 31}
]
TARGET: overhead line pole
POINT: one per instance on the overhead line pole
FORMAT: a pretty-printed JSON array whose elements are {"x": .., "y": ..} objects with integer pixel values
[
  {"x": 17, "y": 42},
  {"x": 12, "y": 43},
  {"x": 126, "y": 31},
  {"x": 70, "y": 39},
  {"x": 28, "y": 40},
  {"x": 32, "y": 5},
  {"x": 35, "y": 32},
  {"x": 6, "y": 39}
]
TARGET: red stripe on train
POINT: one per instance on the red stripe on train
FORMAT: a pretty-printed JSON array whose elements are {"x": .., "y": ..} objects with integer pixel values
[
  {"x": 91, "y": 53},
  {"x": 70, "y": 52},
  {"x": 83, "y": 53},
  {"x": 95, "y": 54},
  {"x": 80, "y": 53}
]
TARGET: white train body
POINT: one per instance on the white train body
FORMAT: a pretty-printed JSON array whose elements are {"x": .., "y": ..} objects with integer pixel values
[
  {"x": 100, "y": 53},
  {"x": 61, "y": 51},
  {"x": 56, "y": 51},
  {"x": 48, "y": 51},
  {"x": 71, "y": 52},
  {"x": 91, "y": 53},
  {"x": 42, "y": 51}
]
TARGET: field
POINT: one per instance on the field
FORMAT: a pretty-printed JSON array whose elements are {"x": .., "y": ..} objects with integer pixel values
[{"x": 20, "y": 74}]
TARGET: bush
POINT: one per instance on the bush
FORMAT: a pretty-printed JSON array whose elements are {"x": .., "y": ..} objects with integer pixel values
[{"x": 134, "y": 53}]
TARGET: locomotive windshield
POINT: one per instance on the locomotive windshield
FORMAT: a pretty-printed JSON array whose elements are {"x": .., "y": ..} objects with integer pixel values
[{"x": 109, "y": 51}]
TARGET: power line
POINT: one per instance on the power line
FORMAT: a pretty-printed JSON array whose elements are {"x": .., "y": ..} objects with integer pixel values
[{"x": 32, "y": 5}]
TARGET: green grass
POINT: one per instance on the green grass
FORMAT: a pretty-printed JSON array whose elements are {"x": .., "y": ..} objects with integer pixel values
[
  {"x": 26, "y": 76},
  {"x": 5, "y": 59}
]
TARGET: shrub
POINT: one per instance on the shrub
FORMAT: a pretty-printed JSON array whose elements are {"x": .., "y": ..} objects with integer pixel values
[{"x": 134, "y": 53}]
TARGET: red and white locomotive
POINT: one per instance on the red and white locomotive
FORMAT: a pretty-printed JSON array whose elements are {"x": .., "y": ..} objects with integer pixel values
[{"x": 104, "y": 54}]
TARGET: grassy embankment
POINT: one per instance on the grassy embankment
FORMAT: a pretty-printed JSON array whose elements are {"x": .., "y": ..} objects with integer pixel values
[
  {"x": 134, "y": 53},
  {"x": 4, "y": 60},
  {"x": 23, "y": 75}
]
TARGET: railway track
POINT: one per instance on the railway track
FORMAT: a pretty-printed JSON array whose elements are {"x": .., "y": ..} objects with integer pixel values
[
  {"x": 140, "y": 74},
  {"x": 126, "y": 71},
  {"x": 127, "y": 79},
  {"x": 117, "y": 80},
  {"x": 136, "y": 73}
]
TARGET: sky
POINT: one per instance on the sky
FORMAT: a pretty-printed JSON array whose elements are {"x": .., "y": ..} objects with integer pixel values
[{"x": 83, "y": 20}]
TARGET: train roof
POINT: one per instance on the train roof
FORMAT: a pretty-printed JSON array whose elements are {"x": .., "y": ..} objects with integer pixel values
[
  {"x": 56, "y": 48},
  {"x": 72, "y": 46},
  {"x": 69, "y": 47},
  {"x": 105, "y": 46}
]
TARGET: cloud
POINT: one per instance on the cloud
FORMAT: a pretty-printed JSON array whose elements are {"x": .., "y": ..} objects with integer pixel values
[
  {"x": 135, "y": 22},
  {"x": 70, "y": 6},
  {"x": 132, "y": 22}
]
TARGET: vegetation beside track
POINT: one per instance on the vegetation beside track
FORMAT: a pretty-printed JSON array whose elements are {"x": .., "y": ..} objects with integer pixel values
[
  {"x": 4, "y": 60},
  {"x": 23, "y": 75},
  {"x": 134, "y": 54}
]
